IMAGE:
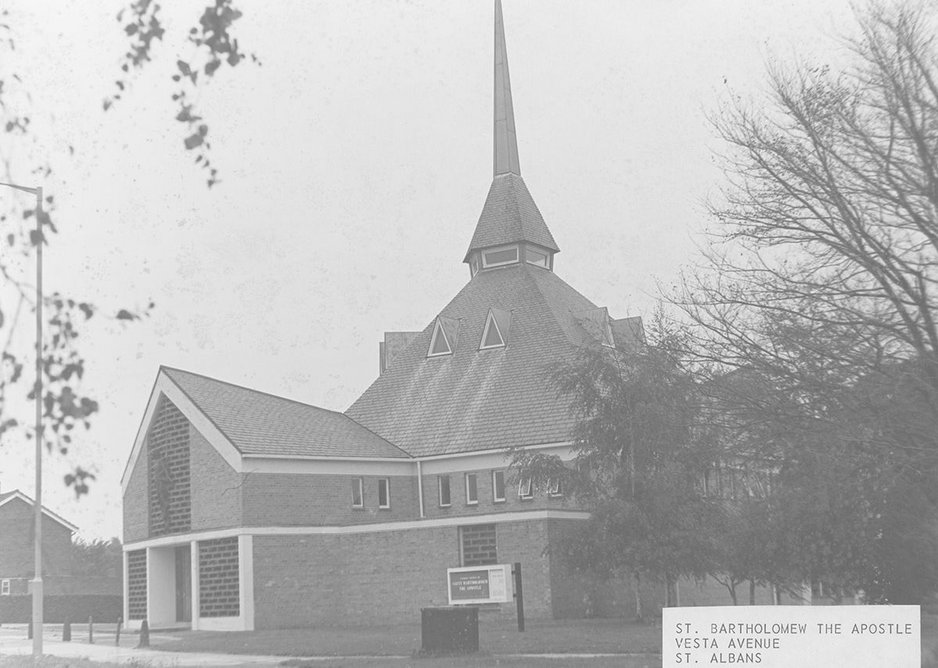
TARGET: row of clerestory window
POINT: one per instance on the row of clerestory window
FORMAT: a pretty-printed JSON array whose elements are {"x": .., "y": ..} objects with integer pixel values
[
  {"x": 494, "y": 334},
  {"x": 471, "y": 486}
]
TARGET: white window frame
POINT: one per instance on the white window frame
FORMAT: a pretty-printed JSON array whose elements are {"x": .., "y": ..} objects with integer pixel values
[
  {"x": 545, "y": 254},
  {"x": 449, "y": 491},
  {"x": 439, "y": 329},
  {"x": 495, "y": 497},
  {"x": 489, "y": 321},
  {"x": 555, "y": 487},
  {"x": 387, "y": 494},
  {"x": 525, "y": 489},
  {"x": 471, "y": 501},
  {"x": 488, "y": 265},
  {"x": 4, "y": 587},
  {"x": 358, "y": 484}
]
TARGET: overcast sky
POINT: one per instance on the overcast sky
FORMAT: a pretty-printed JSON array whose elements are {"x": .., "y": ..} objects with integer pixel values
[{"x": 354, "y": 163}]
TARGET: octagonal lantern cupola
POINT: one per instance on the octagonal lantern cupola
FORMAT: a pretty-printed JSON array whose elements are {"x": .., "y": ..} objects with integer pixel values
[{"x": 511, "y": 229}]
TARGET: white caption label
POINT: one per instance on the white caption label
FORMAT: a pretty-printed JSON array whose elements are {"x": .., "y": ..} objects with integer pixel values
[{"x": 791, "y": 635}]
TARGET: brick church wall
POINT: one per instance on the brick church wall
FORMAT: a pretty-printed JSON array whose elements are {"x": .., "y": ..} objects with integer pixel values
[
  {"x": 205, "y": 492},
  {"x": 311, "y": 500},
  {"x": 216, "y": 487},
  {"x": 168, "y": 471},
  {"x": 374, "y": 577},
  {"x": 219, "y": 589},
  {"x": 136, "y": 501},
  {"x": 137, "y": 584}
]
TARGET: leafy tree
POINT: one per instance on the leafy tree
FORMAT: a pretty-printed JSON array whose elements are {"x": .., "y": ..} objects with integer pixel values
[
  {"x": 820, "y": 287},
  {"x": 214, "y": 46},
  {"x": 98, "y": 558},
  {"x": 65, "y": 406},
  {"x": 634, "y": 466}
]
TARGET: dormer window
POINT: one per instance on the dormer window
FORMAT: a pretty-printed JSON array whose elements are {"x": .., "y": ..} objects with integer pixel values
[
  {"x": 496, "y": 329},
  {"x": 443, "y": 341},
  {"x": 536, "y": 257},
  {"x": 438, "y": 344},
  {"x": 496, "y": 257}
]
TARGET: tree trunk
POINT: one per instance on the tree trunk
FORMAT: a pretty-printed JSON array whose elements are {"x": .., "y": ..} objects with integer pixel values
[
  {"x": 752, "y": 592},
  {"x": 671, "y": 598}
]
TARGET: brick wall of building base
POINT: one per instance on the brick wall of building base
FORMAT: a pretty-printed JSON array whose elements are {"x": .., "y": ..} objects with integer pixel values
[{"x": 384, "y": 577}]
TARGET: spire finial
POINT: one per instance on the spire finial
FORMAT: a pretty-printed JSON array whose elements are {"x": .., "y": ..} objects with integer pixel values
[{"x": 506, "y": 141}]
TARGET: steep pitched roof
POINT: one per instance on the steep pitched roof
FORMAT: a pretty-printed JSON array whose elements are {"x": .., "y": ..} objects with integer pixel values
[
  {"x": 482, "y": 399},
  {"x": 258, "y": 423},
  {"x": 510, "y": 215}
]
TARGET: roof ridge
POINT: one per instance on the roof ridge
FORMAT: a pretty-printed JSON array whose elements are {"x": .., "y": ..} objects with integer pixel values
[
  {"x": 550, "y": 304},
  {"x": 266, "y": 394},
  {"x": 250, "y": 389}
]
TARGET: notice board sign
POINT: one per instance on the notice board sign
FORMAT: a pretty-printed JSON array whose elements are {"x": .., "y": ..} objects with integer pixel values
[
  {"x": 478, "y": 584},
  {"x": 862, "y": 636}
]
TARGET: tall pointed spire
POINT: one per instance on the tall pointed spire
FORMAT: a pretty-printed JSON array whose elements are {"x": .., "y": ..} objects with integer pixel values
[
  {"x": 506, "y": 141},
  {"x": 510, "y": 220}
]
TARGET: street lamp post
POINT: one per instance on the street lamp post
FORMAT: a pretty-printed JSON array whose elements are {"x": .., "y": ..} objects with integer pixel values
[{"x": 36, "y": 582}]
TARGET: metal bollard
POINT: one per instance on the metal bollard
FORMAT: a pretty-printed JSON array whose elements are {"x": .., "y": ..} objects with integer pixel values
[
  {"x": 144, "y": 635},
  {"x": 91, "y": 630},
  {"x": 117, "y": 634},
  {"x": 67, "y": 632}
]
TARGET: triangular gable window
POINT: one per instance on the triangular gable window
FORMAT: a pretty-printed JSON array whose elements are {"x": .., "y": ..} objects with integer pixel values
[
  {"x": 439, "y": 344},
  {"x": 496, "y": 329},
  {"x": 596, "y": 323}
]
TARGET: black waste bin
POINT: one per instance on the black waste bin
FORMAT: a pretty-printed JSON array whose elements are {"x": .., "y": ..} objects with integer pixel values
[{"x": 449, "y": 630}]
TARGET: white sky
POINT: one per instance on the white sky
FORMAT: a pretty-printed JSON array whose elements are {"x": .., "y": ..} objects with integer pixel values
[{"x": 355, "y": 162}]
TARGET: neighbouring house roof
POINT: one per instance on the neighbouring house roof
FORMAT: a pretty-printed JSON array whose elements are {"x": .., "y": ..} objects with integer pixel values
[
  {"x": 261, "y": 424},
  {"x": 483, "y": 399},
  {"x": 8, "y": 497}
]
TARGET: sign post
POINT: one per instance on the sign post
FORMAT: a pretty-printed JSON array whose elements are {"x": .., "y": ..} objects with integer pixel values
[{"x": 519, "y": 595}]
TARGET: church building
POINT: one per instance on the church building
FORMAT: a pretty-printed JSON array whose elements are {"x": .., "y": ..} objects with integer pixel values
[{"x": 244, "y": 510}]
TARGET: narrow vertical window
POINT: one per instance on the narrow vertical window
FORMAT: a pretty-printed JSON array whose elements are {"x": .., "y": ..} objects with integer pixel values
[
  {"x": 444, "y": 491},
  {"x": 384, "y": 493},
  {"x": 498, "y": 486},
  {"x": 358, "y": 493},
  {"x": 554, "y": 487},
  {"x": 524, "y": 489},
  {"x": 472, "y": 489}
]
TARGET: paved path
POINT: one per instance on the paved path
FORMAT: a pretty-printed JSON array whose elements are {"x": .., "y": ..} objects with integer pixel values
[
  {"x": 17, "y": 645},
  {"x": 109, "y": 653}
]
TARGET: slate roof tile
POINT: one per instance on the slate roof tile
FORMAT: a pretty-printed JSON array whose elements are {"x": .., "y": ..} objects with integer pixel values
[
  {"x": 258, "y": 423},
  {"x": 510, "y": 215},
  {"x": 482, "y": 399}
]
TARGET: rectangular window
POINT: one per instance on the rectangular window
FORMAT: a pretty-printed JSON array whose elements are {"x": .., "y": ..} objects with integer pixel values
[
  {"x": 477, "y": 544},
  {"x": 384, "y": 493},
  {"x": 4, "y": 587},
  {"x": 534, "y": 257},
  {"x": 524, "y": 489},
  {"x": 472, "y": 489},
  {"x": 358, "y": 493},
  {"x": 498, "y": 486},
  {"x": 443, "y": 482},
  {"x": 554, "y": 487},
  {"x": 499, "y": 256}
]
